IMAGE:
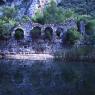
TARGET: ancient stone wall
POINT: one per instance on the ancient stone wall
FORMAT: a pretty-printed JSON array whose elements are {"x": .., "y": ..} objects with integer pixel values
[{"x": 27, "y": 27}]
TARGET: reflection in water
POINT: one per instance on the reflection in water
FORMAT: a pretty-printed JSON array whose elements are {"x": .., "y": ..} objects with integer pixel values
[{"x": 18, "y": 77}]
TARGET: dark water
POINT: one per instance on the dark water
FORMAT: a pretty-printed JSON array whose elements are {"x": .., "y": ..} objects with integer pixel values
[{"x": 19, "y": 77}]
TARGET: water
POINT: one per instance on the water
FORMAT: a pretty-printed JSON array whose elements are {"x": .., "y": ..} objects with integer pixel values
[{"x": 24, "y": 77}]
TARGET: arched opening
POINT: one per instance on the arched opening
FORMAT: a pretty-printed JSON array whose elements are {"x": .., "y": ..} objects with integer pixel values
[
  {"x": 36, "y": 33},
  {"x": 48, "y": 33},
  {"x": 19, "y": 34},
  {"x": 58, "y": 32}
]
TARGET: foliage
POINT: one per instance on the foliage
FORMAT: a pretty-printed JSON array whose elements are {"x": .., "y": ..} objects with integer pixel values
[
  {"x": 53, "y": 14},
  {"x": 9, "y": 12},
  {"x": 3, "y": 33},
  {"x": 7, "y": 21},
  {"x": 38, "y": 17},
  {"x": 90, "y": 27},
  {"x": 71, "y": 37},
  {"x": 25, "y": 19},
  {"x": 80, "y": 6},
  {"x": 5, "y": 27},
  {"x": 83, "y": 17}
]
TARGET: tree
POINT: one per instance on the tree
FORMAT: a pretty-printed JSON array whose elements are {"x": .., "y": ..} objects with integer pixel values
[
  {"x": 53, "y": 14},
  {"x": 39, "y": 18},
  {"x": 71, "y": 36},
  {"x": 81, "y": 7},
  {"x": 9, "y": 12},
  {"x": 90, "y": 27},
  {"x": 7, "y": 21}
]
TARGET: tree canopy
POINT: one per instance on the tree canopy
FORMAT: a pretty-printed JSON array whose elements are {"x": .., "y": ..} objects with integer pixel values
[{"x": 53, "y": 14}]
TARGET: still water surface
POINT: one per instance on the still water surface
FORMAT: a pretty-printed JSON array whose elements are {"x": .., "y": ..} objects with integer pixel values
[{"x": 24, "y": 77}]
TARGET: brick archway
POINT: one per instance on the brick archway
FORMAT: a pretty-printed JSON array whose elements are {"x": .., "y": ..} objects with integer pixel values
[
  {"x": 59, "y": 32},
  {"x": 48, "y": 33},
  {"x": 35, "y": 33},
  {"x": 19, "y": 34}
]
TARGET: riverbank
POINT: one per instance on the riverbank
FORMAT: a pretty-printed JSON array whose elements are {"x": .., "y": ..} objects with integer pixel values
[
  {"x": 84, "y": 53},
  {"x": 28, "y": 56}
]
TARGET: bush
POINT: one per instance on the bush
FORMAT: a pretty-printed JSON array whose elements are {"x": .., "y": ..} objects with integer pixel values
[
  {"x": 38, "y": 17},
  {"x": 5, "y": 29},
  {"x": 83, "y": 17},
  {"x": 90, "y": 27},
  {"x": 9, "y": 12},
  {"x": 4, "y": 33},
  {"x": 71, "y": 37},
  {"x": 19, "y": 34},
  {"x": 7, "y": 21},
  {"x": 25, "y": 19}
]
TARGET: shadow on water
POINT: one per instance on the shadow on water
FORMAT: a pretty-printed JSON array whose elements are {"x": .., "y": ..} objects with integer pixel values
[{"x": 18, "y": 77}]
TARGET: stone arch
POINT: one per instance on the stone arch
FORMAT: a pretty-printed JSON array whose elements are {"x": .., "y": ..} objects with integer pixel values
[
  {"x": 35, "y": 33},
  {"x": 19, "y": 34},
  {"x": 59, "y": 32},
  {"x": 48, "y": 33}
]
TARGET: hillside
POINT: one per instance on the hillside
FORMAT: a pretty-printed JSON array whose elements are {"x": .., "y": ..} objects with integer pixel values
[{"x": 80, "y": 6}]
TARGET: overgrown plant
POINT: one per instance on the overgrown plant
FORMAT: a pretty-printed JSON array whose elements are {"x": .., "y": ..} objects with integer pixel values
[{"x": 71, "y": 37}]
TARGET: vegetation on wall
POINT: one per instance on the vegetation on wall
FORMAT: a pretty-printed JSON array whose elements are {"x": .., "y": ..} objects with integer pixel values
[
  {"x": 90, "y": 27},
  {"x": 71, "y": 37},
  {"x": 52, "y": 13},
  {"x": 7, "y": 21}
]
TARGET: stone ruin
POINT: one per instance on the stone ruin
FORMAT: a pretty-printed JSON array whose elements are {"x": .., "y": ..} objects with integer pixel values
[
  {"x": 28, "y": 27},
  {"x": 40, "y": 45}
]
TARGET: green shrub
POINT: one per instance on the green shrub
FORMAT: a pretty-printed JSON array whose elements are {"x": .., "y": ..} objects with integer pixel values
[
  {"x": 7, "y": 21},
  {"x": 90, "y": 27},
  {"x": 9, "y": 12},
  {"x": 83, "y": 17},
  {"x": 38, "y": 17},
  {"x": 25, "y": 19},
  {"x": 71, "y": 37},
  {"x": 5, "y": 29},
  {"x": 4, "y": 33}
]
